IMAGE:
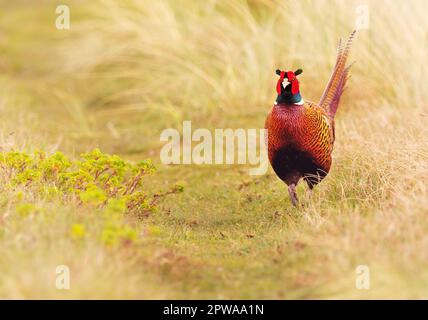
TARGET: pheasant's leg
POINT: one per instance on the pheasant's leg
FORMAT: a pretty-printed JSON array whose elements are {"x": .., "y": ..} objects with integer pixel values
[{"x": 293, "y": 194}]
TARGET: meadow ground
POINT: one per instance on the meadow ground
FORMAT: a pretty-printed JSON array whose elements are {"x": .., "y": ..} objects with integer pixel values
[{"x": 126, "y": 70}]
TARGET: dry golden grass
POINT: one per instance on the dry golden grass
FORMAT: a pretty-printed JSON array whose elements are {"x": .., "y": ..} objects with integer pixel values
[{"x": 128, "y": 69}]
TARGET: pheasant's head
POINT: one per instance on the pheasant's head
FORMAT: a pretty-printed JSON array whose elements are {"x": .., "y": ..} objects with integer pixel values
[{"x": 287, "y": 87}]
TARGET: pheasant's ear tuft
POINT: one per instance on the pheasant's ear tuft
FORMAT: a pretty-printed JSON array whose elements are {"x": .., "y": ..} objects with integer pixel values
[
  {"x": 298, "y": 71},
  {"x": 278, "y": 72}
]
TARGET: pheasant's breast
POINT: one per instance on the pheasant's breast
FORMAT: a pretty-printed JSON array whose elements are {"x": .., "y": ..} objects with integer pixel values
[{"x": 302, "y": 129}]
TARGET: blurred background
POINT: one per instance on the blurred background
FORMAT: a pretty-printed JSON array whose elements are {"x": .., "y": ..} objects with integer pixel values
[{"x": 126, "y": 70}]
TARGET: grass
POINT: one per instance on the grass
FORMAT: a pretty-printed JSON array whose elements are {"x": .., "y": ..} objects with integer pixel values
[{"x": 127, "y": 70}]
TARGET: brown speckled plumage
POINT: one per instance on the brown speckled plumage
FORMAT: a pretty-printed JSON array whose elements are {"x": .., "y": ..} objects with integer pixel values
[{"x": 301, "y": 135}]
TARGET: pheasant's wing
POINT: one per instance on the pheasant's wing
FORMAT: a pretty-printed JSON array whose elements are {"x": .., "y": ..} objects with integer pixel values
[
  {"x": 322, "y": 132},
  {"x": 325, "y": 118}
]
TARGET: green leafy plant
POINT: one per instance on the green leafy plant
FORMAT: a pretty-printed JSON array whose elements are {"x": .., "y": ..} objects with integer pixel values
[{"x": 97, "y": 179}]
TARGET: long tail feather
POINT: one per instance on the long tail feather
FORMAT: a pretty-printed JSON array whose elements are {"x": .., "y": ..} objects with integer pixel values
[
  {"x": 340, "y": 89},
  {"x": 335, "y": 87}
]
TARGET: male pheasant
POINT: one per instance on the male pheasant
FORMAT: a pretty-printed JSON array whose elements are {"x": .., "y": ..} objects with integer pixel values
[{"x": 301, "y": 133}]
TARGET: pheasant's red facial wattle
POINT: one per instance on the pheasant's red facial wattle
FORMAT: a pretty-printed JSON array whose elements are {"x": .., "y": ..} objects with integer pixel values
[
  {"x": 279, "y": 83},
  {"x": 294, "y": 82},
  {"x": 292, "y": 79}
]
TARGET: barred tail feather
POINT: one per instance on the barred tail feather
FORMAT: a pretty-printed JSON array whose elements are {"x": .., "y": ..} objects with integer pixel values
[
  {"x": 339, "y": 55},
  {"x": 336, "y": 85},
  {"x": 340, "y": 89}
]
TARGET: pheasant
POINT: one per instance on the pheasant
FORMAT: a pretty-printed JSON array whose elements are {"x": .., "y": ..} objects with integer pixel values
[{"x": 301, "y": 133}]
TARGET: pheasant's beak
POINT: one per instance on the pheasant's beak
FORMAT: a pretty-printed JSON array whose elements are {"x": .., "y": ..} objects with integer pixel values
[{"x": 285, "y": 82}]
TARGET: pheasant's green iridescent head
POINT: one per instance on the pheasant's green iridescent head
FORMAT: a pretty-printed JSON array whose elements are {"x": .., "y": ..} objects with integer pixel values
[{"x": 287, "y": 87}]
